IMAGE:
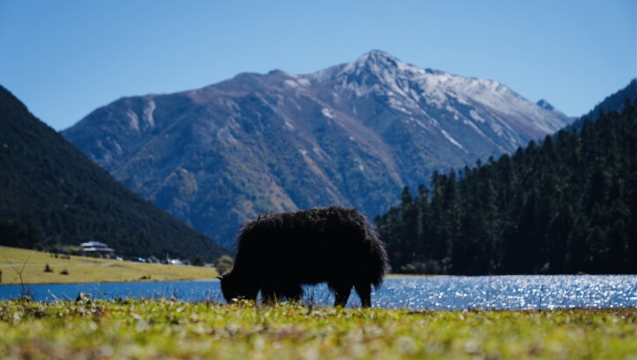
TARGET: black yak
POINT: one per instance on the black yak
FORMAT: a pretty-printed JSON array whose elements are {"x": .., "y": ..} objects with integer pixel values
[{"x": 278, "y": 253}]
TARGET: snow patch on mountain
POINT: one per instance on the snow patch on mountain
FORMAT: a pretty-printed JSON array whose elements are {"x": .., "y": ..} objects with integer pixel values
[
  {"x": 328, "y": 113},
  {"x": 474, "y": 114},
  {"x": 297, "y": 82},
  {"x": 134, "y": 120},
  {"x": 451, "y": 139},
  {"x": 225, "y": 136},
  {"x": 149, "y": 108},
  {"x": 318, "y": 152}
]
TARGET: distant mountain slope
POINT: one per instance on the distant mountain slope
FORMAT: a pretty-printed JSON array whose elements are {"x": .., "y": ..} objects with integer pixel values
[
  {"x": 47, "y": 181},
  {"x": 614, "y": 102},
  {"x": 353, "y": 134}
]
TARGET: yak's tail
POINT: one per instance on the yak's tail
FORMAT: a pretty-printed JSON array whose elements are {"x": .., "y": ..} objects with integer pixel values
[{"x": 379, "y": 262}]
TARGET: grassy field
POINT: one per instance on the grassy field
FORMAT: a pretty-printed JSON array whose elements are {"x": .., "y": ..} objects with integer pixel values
[
  {"x": 174, "y": 329},
  {"x": 78, "y": 269},
  {"x": 168, "y": 329}
]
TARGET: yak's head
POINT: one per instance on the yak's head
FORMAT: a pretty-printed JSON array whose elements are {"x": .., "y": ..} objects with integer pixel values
[
  {"x": 229, "y": 287},
  {"x": 236, "y": 287}
]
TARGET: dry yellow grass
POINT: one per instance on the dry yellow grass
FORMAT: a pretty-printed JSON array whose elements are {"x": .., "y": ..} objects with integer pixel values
[{"x": 87, "y": 270}]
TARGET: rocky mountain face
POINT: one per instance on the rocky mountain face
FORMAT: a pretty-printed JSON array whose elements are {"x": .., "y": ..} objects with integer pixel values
[{"x": 353, "y": 134}]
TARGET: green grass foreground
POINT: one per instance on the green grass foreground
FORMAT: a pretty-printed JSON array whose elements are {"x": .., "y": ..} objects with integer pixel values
[{"x": 169, "y": 329}]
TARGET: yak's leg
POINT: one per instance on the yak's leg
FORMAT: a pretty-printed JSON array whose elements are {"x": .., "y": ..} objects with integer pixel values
[
  {"x": 267, "y": 297},
  {"x": 341, "y": 295},
  {"x": 294, "y": 293},
  {"x": 252, "y": 293},
  {"x": 341, "y": 290},
  {"x": 268, "y": 294},
  {"x": 364, "y": 292}
]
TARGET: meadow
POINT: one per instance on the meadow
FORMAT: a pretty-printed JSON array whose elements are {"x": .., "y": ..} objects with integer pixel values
[
  {"x": 170, "y": 328},
  {"x": 78, "y": 269},
  {"x": 174, "y": 329}
]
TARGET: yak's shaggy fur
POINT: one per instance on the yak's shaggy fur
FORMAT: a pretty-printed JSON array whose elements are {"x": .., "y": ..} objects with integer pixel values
[{"x": 277, "y": 253}]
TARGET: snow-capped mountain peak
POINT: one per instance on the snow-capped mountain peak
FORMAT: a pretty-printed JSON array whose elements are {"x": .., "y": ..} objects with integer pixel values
[
  {"x": 352, "y": 134},
  {"x": 435, "y": 97},
  {"x": 375, "y": 62}
]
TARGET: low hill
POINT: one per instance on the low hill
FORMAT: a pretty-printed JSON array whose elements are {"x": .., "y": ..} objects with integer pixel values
[{"x": 51, "y": 193}]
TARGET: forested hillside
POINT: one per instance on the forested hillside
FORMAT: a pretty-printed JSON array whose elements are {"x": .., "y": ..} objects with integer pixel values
[
  {"x": 568, "y": 205},
  {"x": 51, "y": 193}
]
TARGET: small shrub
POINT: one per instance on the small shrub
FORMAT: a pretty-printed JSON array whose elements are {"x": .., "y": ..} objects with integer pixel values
[
  {"x": 224, "y": 264},
  {"x": 64, "y": 272},
  {"x": 83, "y": 298},
  {"x": 26, "y": 294},
  {"x": 47, "y": 268},
  {"x": 198, "y": 261}
]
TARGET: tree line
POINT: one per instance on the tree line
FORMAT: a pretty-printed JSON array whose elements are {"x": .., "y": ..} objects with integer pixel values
[{"x": 565, "y": 205}]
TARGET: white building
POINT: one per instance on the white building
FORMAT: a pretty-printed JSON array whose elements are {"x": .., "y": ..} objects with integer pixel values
[{"x": 96, "y": 249}]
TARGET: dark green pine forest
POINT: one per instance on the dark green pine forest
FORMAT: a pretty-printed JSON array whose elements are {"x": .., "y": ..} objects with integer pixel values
[
  {"x": 564, "y": 206},
  {"x": 51, "y": 194}
]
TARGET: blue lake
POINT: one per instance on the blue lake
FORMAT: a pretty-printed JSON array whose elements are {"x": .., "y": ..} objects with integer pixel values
[{"x": 438, "y": 293}]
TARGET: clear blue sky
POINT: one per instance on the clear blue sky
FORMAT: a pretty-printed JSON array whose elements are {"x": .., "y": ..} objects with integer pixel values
[{"x": 65, "y": 58}]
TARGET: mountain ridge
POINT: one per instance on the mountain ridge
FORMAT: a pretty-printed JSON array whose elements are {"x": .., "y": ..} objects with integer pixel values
[{"x": 352, "y": 134}]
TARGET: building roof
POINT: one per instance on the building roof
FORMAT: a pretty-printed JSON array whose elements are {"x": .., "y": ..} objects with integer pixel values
[{"x": 95, "y": 246}]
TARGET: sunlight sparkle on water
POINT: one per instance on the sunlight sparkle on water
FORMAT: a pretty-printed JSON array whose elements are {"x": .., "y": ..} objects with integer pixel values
[{"x": 437, "y": 292}]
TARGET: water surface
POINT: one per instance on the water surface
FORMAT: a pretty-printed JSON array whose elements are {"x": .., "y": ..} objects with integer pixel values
[{"x": 439, "y": 293}]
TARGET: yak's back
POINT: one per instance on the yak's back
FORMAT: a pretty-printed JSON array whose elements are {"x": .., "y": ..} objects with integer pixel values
[
  {"x": 306, "y": 225},
  {"x": 317, "y": 237}
]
